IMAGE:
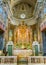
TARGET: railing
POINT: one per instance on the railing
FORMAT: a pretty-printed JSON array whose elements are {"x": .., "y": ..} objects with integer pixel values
[
  {"x": 32, "y": 60},
  {"x": 37, "y": 60},
  {"x": 8, "y": 60}
]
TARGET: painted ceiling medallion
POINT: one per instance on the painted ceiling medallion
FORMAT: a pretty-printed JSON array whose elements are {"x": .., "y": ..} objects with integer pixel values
[{"x": 23, "y": 16}]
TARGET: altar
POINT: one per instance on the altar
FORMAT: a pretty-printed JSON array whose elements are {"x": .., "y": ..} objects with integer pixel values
[{"x": 22, "y": 53}]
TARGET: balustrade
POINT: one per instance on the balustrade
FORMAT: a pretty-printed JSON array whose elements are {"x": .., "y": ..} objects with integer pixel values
[{"x": 12, "y": 60}]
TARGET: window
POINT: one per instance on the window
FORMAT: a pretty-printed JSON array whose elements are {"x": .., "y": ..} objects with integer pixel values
[
  {"x": 39, "y": 0},
  {"x": 1, "y": 10},
  {"x": 3, "y": 13},
  {"x": 44, "y": 10}
]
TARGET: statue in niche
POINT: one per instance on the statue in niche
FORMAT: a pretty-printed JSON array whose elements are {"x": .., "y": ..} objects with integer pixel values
[
  {"x": 36, "y": 47},
  {"x": 9, "y": 47}
]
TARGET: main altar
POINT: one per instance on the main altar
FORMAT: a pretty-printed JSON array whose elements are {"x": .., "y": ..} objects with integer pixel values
[{"x": 22, "y": 37}]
